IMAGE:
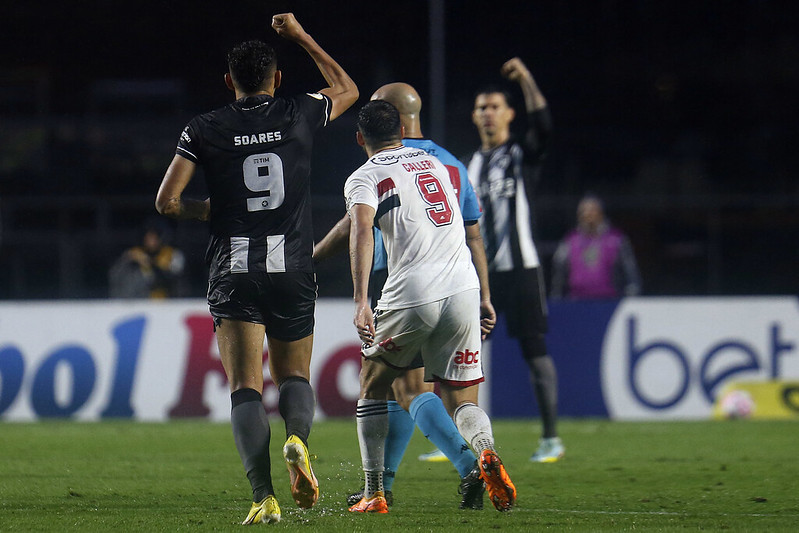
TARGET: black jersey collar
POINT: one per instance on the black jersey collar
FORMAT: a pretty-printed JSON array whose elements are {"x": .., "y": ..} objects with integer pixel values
[{"x": 248, "y": 103}]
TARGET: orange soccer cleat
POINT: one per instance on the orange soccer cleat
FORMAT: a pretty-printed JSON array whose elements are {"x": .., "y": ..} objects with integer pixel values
[
  {"x": 500, "y": 488},
  {"x": 376, "y": 504}
]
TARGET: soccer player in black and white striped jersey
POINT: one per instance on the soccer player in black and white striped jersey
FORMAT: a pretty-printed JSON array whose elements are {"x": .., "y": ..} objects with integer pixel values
[
  {"x": 256, "y": 156},
  {"x": 503, "y": 173}
]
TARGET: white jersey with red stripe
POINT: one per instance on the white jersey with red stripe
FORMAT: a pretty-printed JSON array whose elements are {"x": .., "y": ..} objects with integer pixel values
[{"x": 417, "y": 210}]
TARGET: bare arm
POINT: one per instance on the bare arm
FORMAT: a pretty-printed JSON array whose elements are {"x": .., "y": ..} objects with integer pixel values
[
  {"x": 169, "y": 200},
  {"x": 335, "y": 241},
  {"x": 488, "y": 317},
  {"x": 341, "y": 90},
  {"x": 361, "y": 251}
]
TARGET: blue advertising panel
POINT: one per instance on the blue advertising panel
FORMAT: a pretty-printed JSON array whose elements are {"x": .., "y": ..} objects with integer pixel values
[
  {"x": 576, "y": 332},
  {"x": 655, "y": 358}
]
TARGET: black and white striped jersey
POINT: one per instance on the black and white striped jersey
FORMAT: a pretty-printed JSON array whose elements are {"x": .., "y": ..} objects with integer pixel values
[
  {"x": 256, "y": 157},
  {"x": 504, "y": 179}
]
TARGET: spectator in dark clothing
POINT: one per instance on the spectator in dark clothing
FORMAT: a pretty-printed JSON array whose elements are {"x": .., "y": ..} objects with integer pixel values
[{"x": 151, "y": 269}]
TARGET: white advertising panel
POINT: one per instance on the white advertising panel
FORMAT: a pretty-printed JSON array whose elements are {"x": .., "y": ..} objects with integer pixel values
[
  {"x": 147, "y": 360},
  {"x": 667, "y": 358},
  {"x": 661, "y": 358}
]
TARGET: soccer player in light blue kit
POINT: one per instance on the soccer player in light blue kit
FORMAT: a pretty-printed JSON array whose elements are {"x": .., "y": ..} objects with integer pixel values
[{"x": 415, "y": 402}]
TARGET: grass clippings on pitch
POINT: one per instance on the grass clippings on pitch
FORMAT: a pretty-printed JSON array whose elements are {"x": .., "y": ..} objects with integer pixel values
[{"x": 186, "y": 476}]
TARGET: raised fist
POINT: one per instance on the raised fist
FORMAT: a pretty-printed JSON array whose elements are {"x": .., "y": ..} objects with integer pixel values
[
  {"x": 515, "y": 70},
  {"x": 286, "y": 25}
]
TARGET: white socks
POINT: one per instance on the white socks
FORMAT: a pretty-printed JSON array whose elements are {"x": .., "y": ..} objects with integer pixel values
[
  {"x": 474, "y": 425},
  {"x": 372, "y": 421}
]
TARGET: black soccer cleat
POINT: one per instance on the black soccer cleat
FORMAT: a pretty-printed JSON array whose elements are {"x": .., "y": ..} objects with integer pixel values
[
  {"x": 355, "y": 497},
  {"x": 472, "y": 488}
]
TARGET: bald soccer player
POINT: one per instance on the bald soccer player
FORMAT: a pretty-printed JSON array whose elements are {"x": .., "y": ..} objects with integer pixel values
[{"x": 415, "y": 402}]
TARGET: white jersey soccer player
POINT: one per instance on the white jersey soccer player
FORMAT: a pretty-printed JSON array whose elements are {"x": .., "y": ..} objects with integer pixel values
[
  {"x": 431, "y": 302},
  {"x": 417, "y": 210}
]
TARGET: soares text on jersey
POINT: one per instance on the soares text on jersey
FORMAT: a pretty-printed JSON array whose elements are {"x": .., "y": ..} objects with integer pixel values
[{"x": 267, "y": 137}]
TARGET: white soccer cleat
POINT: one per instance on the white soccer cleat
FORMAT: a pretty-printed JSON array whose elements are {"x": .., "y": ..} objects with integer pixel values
[{"x": 549, "y": 451}]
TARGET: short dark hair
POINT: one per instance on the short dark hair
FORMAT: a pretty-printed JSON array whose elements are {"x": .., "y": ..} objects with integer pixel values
[
  {"x": 379, "y": 122},
  {"x": 250, "y": 63},
  {"x": 492, "y": 89}
]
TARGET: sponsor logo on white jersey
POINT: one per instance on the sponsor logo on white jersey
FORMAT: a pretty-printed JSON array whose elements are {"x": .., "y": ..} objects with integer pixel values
[{"x": 382, "y": 158}]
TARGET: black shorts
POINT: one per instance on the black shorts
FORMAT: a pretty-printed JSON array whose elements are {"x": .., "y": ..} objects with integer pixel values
[
  {"x": 521, "y": 295},
  {"x": 283, "y": 302}
]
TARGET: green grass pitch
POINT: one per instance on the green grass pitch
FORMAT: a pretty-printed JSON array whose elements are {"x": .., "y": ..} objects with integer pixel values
[{"x": 616, "y": 476}]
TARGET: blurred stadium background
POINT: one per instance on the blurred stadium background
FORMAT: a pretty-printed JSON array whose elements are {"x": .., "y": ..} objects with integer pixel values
[{"x": 682, "y": 115}]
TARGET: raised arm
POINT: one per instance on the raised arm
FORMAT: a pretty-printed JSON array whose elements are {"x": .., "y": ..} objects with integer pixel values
[
  {"x": 539, "y": 120},
  {"x": 361, "y": 251},
  {"x": 170, "y": 202},
  {"x": 516, "y": 71},
  {"x": 341, "y": 90}
]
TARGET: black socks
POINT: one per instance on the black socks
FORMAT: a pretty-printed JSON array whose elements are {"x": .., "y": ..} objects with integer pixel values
[
  {"x": 296, "y": 405},
  {"x": 251, "y": 433}
]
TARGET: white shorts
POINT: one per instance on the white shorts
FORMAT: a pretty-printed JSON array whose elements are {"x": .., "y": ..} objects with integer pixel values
[{"x": 446, "y": 332}]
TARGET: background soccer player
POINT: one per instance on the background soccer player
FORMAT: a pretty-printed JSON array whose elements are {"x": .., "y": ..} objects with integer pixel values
[
  {"x": 413, "y": 401},
  {"x": 504, "y": 172},
  {"x": 256, "y": 156},
  {"x": 431, "y": 302}
]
